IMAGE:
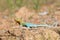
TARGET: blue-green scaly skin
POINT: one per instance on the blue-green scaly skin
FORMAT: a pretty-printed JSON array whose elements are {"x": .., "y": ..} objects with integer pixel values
[{"x": 28, "y": 25}]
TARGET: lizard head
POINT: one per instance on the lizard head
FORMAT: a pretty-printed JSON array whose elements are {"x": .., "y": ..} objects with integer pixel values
[{"x": 19, "y": 20}]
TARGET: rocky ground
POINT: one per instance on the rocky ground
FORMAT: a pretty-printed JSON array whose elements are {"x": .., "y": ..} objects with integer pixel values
[{"x": 10, "y": 30}]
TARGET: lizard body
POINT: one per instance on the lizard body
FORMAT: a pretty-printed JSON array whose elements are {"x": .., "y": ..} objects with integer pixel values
[{"x": 29, "y": 25}]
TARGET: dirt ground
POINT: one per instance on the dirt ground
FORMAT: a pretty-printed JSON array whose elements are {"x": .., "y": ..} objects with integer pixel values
[{"x": 10, "y": 30}]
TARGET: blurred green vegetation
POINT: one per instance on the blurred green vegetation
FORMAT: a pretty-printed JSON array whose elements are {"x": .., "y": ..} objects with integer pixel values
[{"x": 33, "y": 4}]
